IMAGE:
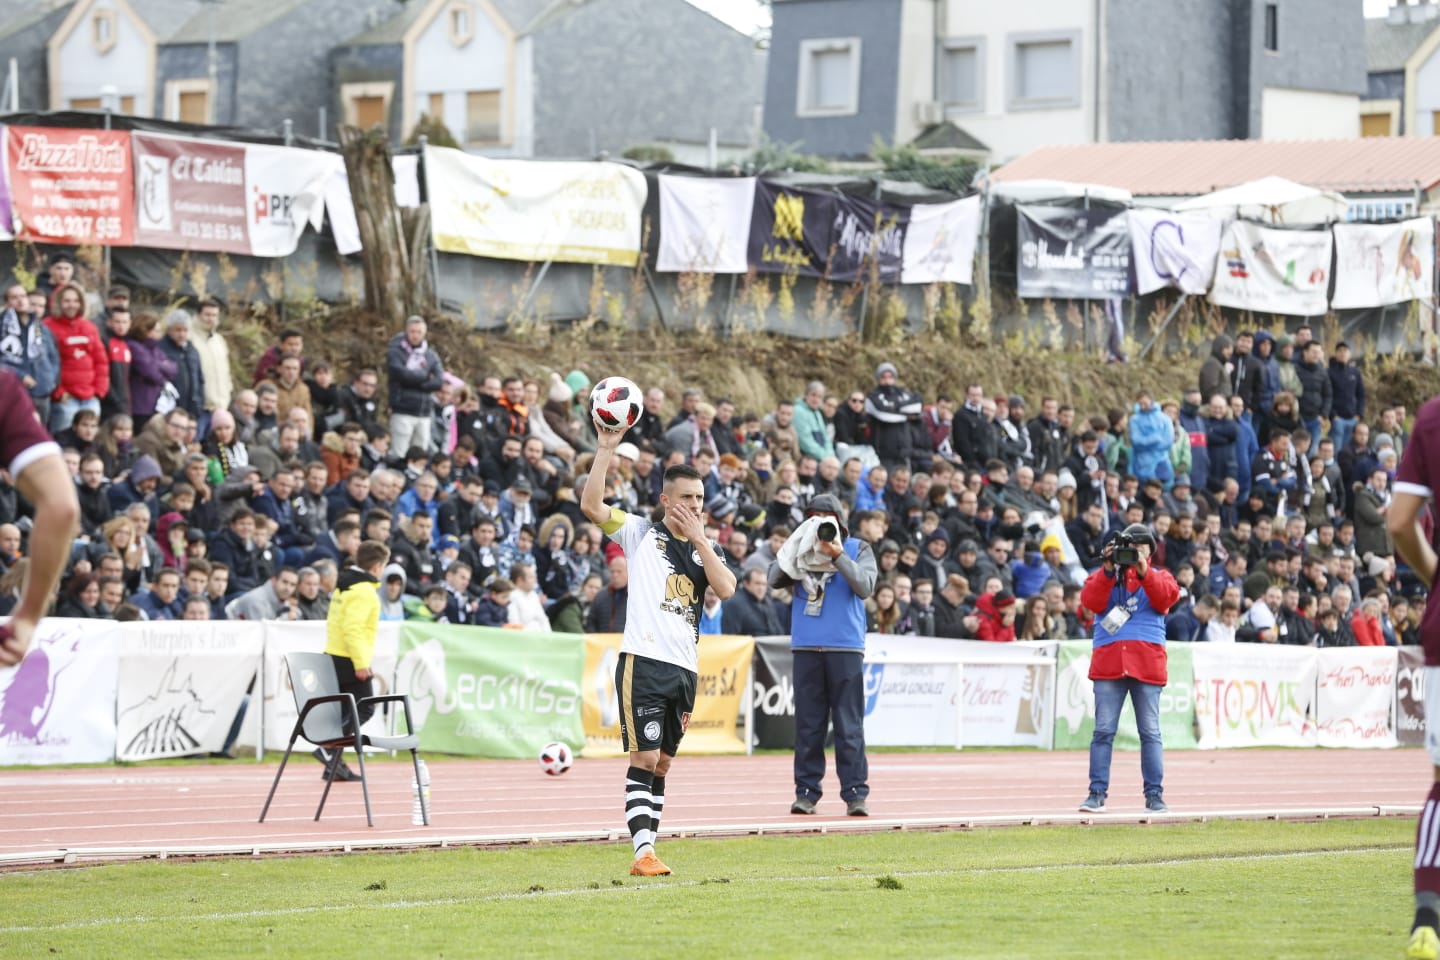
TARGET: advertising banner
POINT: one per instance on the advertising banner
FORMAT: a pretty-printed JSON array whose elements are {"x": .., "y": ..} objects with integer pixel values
[
  {"x": 71, "y": 186},
  {"x": 190, "y": 194},
  {"x": 286, "y": 191},
  {"x": 774, "y": 695},
  {"x": 865, "y": 236},
  {"x": 1075, "y": 701},
  {"x": 1253, "y": 695},
  {"x": 790, "y": 229},
  {"x": 913, "y": 704},
  {"x": 7, "y": 216},
  {"x": 1383, "y": 263},
  {"x": 274, "y": 701},
  {"x": 1067, "y": 253},
  {"x": 1355, "y": 698},
  {"x": 1272, "y": 271},
  {"x": 58, "y": 704},
  {"x": 181, "y": 684},
  {"x": 1174, "y": 250},
  {"x": 1410, "y": 697},
  {"x": 719, "y": 694},
  {"x": 705, "y": 224},
  {"x": 482, "y": 692},
  {"x": 227, "y": 197},
  {"x": 940, "y": 242},
  {"x": 524, "y": 210}
]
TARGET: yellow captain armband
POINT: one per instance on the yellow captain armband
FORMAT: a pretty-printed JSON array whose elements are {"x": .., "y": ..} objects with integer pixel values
[{"x": 616, "y": 521}]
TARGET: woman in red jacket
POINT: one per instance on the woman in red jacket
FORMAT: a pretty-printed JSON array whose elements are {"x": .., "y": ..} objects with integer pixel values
[
  {"x": 1365, "y": 624},
  {"x": 84, "y": 362}
]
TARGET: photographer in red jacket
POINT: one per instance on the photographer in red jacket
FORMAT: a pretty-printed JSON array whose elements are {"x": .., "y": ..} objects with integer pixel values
[{"x": 1130, "y": 599}]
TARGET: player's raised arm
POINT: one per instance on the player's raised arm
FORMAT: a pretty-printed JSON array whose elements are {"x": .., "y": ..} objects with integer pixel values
[{"x": 592, "y": 498}]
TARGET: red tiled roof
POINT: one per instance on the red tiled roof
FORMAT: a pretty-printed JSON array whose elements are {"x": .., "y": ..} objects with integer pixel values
[{"x": 1190, "y": 168}]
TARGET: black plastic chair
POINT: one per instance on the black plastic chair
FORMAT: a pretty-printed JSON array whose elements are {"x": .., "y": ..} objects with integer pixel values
[{"x": 328, "y": 719}]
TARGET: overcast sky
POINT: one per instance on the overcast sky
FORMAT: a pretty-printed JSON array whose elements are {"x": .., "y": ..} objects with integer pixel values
[
  {"x": 747, "y": 16},
  {"x": 1376, "y": 8}
]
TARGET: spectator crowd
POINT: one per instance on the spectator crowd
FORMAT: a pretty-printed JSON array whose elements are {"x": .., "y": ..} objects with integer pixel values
[{"x": 1266, "y": 482}]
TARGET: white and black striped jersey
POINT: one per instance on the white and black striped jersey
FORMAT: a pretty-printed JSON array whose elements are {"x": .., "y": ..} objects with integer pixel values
[{"x": 667, "y": 590}]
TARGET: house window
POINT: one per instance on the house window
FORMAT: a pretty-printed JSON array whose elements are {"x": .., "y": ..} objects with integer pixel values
[
  {"x": 102, "y": 30},
  {"x": 1374, "y": 124},
  {"x": 962, "y": 64},
  {"x": 188, "y": 100},
  {"x": 365, "y": 104},
  {"x": 460, "y": 23},
  {"x": 482, "y": 116},
  {"x": 1272, "y": 27},
  {"x": 1044, "y": 71},
  {"x": 829, "y": 82},
  {"x": 126, "y": 105},
  {"x": 435, "y": 107}
]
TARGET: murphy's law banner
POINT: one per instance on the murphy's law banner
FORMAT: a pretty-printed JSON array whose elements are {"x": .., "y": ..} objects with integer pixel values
[
  {"x": 71, "y": 186},
  {"x": 719, "y": 693},
  {"x": 181, "y": 683},
  {"x": 1066, "y": 253},
  {"x": 1272, "y": 271},
  {"x": 571, "y": 212},
  {"x": 484, "y": 692},
  {"x": 1075, "y": 701}
]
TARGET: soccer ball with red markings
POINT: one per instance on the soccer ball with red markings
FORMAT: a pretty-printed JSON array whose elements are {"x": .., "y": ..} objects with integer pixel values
[
  {"x": 555, "y": 758},
  {"x": 615, "y": 404}
]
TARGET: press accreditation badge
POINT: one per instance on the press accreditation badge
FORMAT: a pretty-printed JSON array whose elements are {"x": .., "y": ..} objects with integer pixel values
[{"x": 1115, "y": 619}]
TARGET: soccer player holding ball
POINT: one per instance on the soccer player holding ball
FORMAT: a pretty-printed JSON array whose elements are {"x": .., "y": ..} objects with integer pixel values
[{"x": 671, "y": 565}]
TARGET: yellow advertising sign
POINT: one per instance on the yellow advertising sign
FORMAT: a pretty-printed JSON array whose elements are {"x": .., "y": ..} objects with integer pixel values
[
  {"x": 719, "y": 693},
  {"x": 571, "y": 212}
]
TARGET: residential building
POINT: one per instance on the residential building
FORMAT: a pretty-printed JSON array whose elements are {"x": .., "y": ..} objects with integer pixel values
[
  {"x": 1381, "y": 178},
  {"x": 1019, "y": 76},
  {"x": 1402, "y": 63},
  {"x": 540, "y": 78}
]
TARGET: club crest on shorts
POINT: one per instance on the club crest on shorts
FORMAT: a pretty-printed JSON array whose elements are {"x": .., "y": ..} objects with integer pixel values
[{"x": 652, "y": 730}]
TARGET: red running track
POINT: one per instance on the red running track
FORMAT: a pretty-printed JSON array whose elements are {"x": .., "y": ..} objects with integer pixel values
[{"x": 58, "y": 815}]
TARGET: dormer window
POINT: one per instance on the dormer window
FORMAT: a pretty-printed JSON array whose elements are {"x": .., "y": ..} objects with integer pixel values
[
  {"x": 460, "y": 23},
  {"x": 102, "y": 30}
]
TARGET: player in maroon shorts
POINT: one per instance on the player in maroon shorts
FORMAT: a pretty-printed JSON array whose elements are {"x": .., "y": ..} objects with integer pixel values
[
  {"x": 39, "y": 473},
  {"x": 1410, "y": 509}
]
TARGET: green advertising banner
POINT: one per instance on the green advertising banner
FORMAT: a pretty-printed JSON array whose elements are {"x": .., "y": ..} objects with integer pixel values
[
  {"x": 483, "y": 692},
  {"x": 1075, "y": 702}
]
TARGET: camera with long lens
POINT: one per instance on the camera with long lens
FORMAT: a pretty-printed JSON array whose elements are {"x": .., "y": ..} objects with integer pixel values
[{"x": 827, "y": 531}]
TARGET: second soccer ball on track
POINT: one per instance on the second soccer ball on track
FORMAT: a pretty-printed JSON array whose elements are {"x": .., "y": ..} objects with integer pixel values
[
  {"x": 555, "y": 758},
  {"x": 615, "y": 404}
]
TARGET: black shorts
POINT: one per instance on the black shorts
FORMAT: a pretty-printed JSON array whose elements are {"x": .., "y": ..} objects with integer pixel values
[{"x": 656, "y": 699}]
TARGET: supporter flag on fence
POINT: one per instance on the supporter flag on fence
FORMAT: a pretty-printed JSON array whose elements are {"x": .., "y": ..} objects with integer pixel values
[
  {"x": 1071, "y": 253},
  {"x": 940, "y": 242},
  {"x": 867, "y": 238},
  {"x": 705, "y": 224},
  {"x": 1174, "y": 250},
  {"x": 1382, "y": 263},
  {"x": 71, "y": 186},
  {"x": 523, "y": 210},
  {"x": 790, "y": 229},
  {"x": 1271, "y": 270},
  {"x": 58, "y": 705}
]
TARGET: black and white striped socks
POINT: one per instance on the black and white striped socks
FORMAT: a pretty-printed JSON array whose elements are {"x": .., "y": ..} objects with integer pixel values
[{"x": 642, "y": 813}]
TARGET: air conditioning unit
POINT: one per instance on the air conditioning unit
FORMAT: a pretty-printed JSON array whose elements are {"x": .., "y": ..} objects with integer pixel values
[{"x": 929, "y": 112}]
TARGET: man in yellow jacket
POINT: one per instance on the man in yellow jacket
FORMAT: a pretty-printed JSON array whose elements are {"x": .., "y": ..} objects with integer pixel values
[{"x": 350, "y": 629}]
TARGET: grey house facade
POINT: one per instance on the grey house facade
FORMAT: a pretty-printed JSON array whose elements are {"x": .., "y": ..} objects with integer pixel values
[{"x": 1020, "y": 76}]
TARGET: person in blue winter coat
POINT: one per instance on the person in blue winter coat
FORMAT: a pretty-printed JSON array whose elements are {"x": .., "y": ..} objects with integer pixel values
[
  {"x": 1246, "y": 448},
  {"x": 1192, "y": 421},
  {"x": 1222, "y": 438},
  {"x": 1269, "y": 371},
  {"x": 1151, "y": 437}
]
